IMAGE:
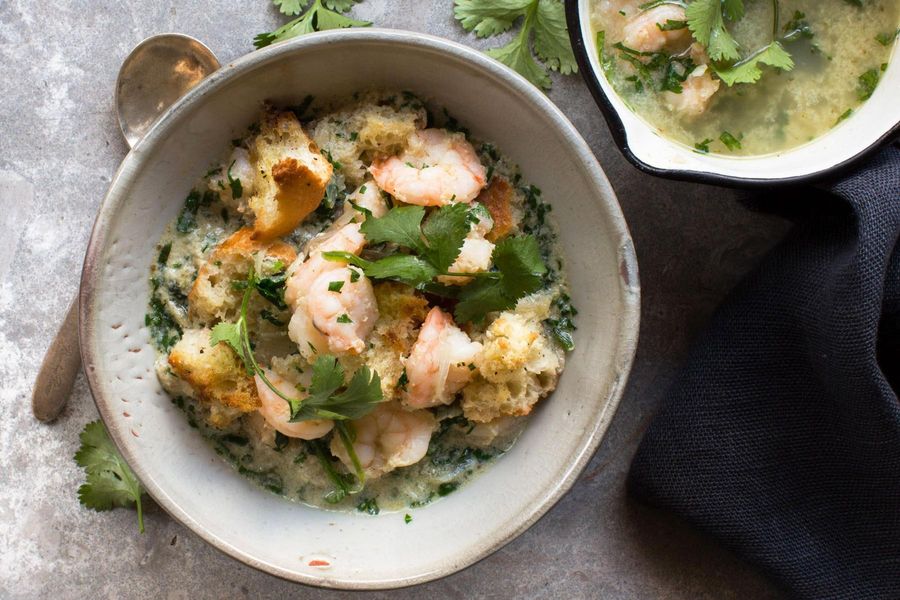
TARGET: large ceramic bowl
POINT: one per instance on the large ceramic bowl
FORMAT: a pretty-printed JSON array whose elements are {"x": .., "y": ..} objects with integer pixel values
[
  {"x": 873, "y": 124},
  {"x": 180, "y": 470}
]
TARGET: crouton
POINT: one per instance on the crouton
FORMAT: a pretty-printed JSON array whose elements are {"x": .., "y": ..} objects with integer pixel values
[
  {"x": 497, "y": 197},
  {"x": 290, "y": 178},
  {"x": 215, "y": 374},
  {"x": 213, "y": 297},
  {"x": 518, "y": 366},
  {"x": 401, "y": 312},
  {"x": 374, "y": 125}
]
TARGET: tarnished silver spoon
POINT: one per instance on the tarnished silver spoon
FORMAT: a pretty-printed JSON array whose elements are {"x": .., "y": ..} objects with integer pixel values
[{"x": 156, "y": 73}]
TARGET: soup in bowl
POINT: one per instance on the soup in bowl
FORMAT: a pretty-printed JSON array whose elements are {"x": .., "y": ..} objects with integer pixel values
[{"x": 738, "y": 91}]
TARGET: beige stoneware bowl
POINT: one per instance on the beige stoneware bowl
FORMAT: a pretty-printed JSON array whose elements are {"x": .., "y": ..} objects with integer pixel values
[{"x": 181, "y": 471}]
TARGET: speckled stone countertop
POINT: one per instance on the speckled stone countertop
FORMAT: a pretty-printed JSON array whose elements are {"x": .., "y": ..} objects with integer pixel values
[{"x": 60, "y": 145}]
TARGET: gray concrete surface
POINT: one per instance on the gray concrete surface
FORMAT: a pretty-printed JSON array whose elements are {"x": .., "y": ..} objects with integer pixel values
[{"x": 59, "y": 146}]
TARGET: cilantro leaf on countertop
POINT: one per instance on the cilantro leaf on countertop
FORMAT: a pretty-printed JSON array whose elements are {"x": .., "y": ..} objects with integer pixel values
[
  {"x": 110, "y": 481},
  {"x": 545, "y": 19},
  {"x": 322, "y": 15},
  {"x": 707, "y": 22},
  {"x": 748, "y": 71}
]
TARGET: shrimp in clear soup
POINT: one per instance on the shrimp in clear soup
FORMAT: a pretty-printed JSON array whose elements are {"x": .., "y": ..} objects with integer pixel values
[{"x": 644, "y": 32}]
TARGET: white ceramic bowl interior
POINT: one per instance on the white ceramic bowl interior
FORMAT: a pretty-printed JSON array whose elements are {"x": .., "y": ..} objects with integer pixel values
[
  {"x": 180, "y": 470},
  {"x": 869, "y": 125}
]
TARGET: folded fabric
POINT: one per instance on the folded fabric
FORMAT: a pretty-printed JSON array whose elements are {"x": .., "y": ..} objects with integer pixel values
[{"x": 781, "y": 437}]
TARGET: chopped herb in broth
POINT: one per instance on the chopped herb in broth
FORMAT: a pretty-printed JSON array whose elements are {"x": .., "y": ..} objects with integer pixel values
[{"x": 780, "y": 72}]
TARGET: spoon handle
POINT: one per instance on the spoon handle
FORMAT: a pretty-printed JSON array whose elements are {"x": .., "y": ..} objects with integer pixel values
[{"x": 59, "y": 369}]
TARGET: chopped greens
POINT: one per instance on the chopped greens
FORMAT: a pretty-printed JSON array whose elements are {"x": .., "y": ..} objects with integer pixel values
[
  {"x": 887, "y": 38},
  {"x": 731, "y": 142},
  {"x": 868, "y": 81},
  {"x": 703, "y": 146},
  {"x": 543, "y": 34}
]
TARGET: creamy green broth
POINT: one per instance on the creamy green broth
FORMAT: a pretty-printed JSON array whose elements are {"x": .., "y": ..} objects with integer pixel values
[
  {"x": 293, "y": 468},
  {"x": 835, "y": 70}
]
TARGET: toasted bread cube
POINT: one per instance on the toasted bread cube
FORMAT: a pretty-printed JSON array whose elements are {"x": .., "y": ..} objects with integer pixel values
[
  {"x": 213, "y": 297},
  {"x": 215, "y": 373},
  {"x": 518, "y": 366},
  {"x": 497, "y": 197},
  {"x": 291, "y": 175}
]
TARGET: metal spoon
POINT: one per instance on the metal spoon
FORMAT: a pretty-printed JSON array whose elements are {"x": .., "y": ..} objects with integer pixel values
[{"x": 156, "y": 73}]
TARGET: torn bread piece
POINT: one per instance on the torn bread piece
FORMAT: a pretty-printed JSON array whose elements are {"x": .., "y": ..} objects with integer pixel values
[
  {"x": 213, "y": 297},
  {"x": 215, "y": 374},
  {"x": 290, "y": 178}
]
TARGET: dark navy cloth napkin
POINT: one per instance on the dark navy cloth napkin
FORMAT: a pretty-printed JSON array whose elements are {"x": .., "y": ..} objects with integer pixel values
[{"x": 781, "y": 437}]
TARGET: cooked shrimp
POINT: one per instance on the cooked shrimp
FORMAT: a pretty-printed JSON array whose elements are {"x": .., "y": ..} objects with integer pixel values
[
  {"x": 367, "y": 196},
  {"x": 696, "y": 92},
  {"x": 275, "y": 410},
  {"x": 240, "y": 169},
  {"x": 387, "y": 438},
  {"x": 336, "y": 314},
  {"x": 441, "y": 361},
  {"x": 643, "y": 33},
  {"x": 305, "y": 270},
  {"x": 437, "y": 168}
]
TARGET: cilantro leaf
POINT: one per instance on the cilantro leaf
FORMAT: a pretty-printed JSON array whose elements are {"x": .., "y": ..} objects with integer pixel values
[
  {"x": 230, "y": 333},
  {"x": 519, "y": 261},
  {"x": 543, "y": 32},
  {"x": 886, "y": 39},
  {"x": 521, "y": 268},
  {"x": 551, "y": 38},
  {"x": 110, "y": 481},
  {"x": 400, "y": 225},
  {"x": 322, "y": 15},
  {"x": 358, "y": 399},
  {"x": 290, "y": 7},
  {"x": 517, "y": 55},
  {"x": 445, "y": 230},
  {"x": 406, "y": 268},
  {"x": 748, "y": 70},
  {"x": 707, "y": 23},
  {"x": 488, "y": 18},
  {"x": 327, "y": 377},
  {"x": 733, "y": 9}
]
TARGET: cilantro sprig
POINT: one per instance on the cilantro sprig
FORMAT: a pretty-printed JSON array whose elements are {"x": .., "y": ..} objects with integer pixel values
[
  {"x": 543, "y": 34},
  {"x": 328, "y": 397},
  {"x": 322, "y": 15},
  {"x": 110, "y": 481},
  {"x": 434, "y": 243}
]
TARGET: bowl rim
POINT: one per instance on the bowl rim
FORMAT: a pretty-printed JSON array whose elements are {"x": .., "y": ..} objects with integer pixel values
[
  {"x": 626, "y": 335},
  {"x": 620, "y": 136}
]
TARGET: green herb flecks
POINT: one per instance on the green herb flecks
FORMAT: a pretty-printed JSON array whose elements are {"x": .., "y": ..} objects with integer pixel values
[{"x": 867, "y": 82}]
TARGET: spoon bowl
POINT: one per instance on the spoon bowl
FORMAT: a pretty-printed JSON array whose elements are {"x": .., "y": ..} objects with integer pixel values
[{"x": 159, "y": 71}]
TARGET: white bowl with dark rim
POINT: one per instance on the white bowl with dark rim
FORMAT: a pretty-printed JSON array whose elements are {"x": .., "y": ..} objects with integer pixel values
[
  {"x": 875, "y": 123},
  {"x": 349, "y": 550}
]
